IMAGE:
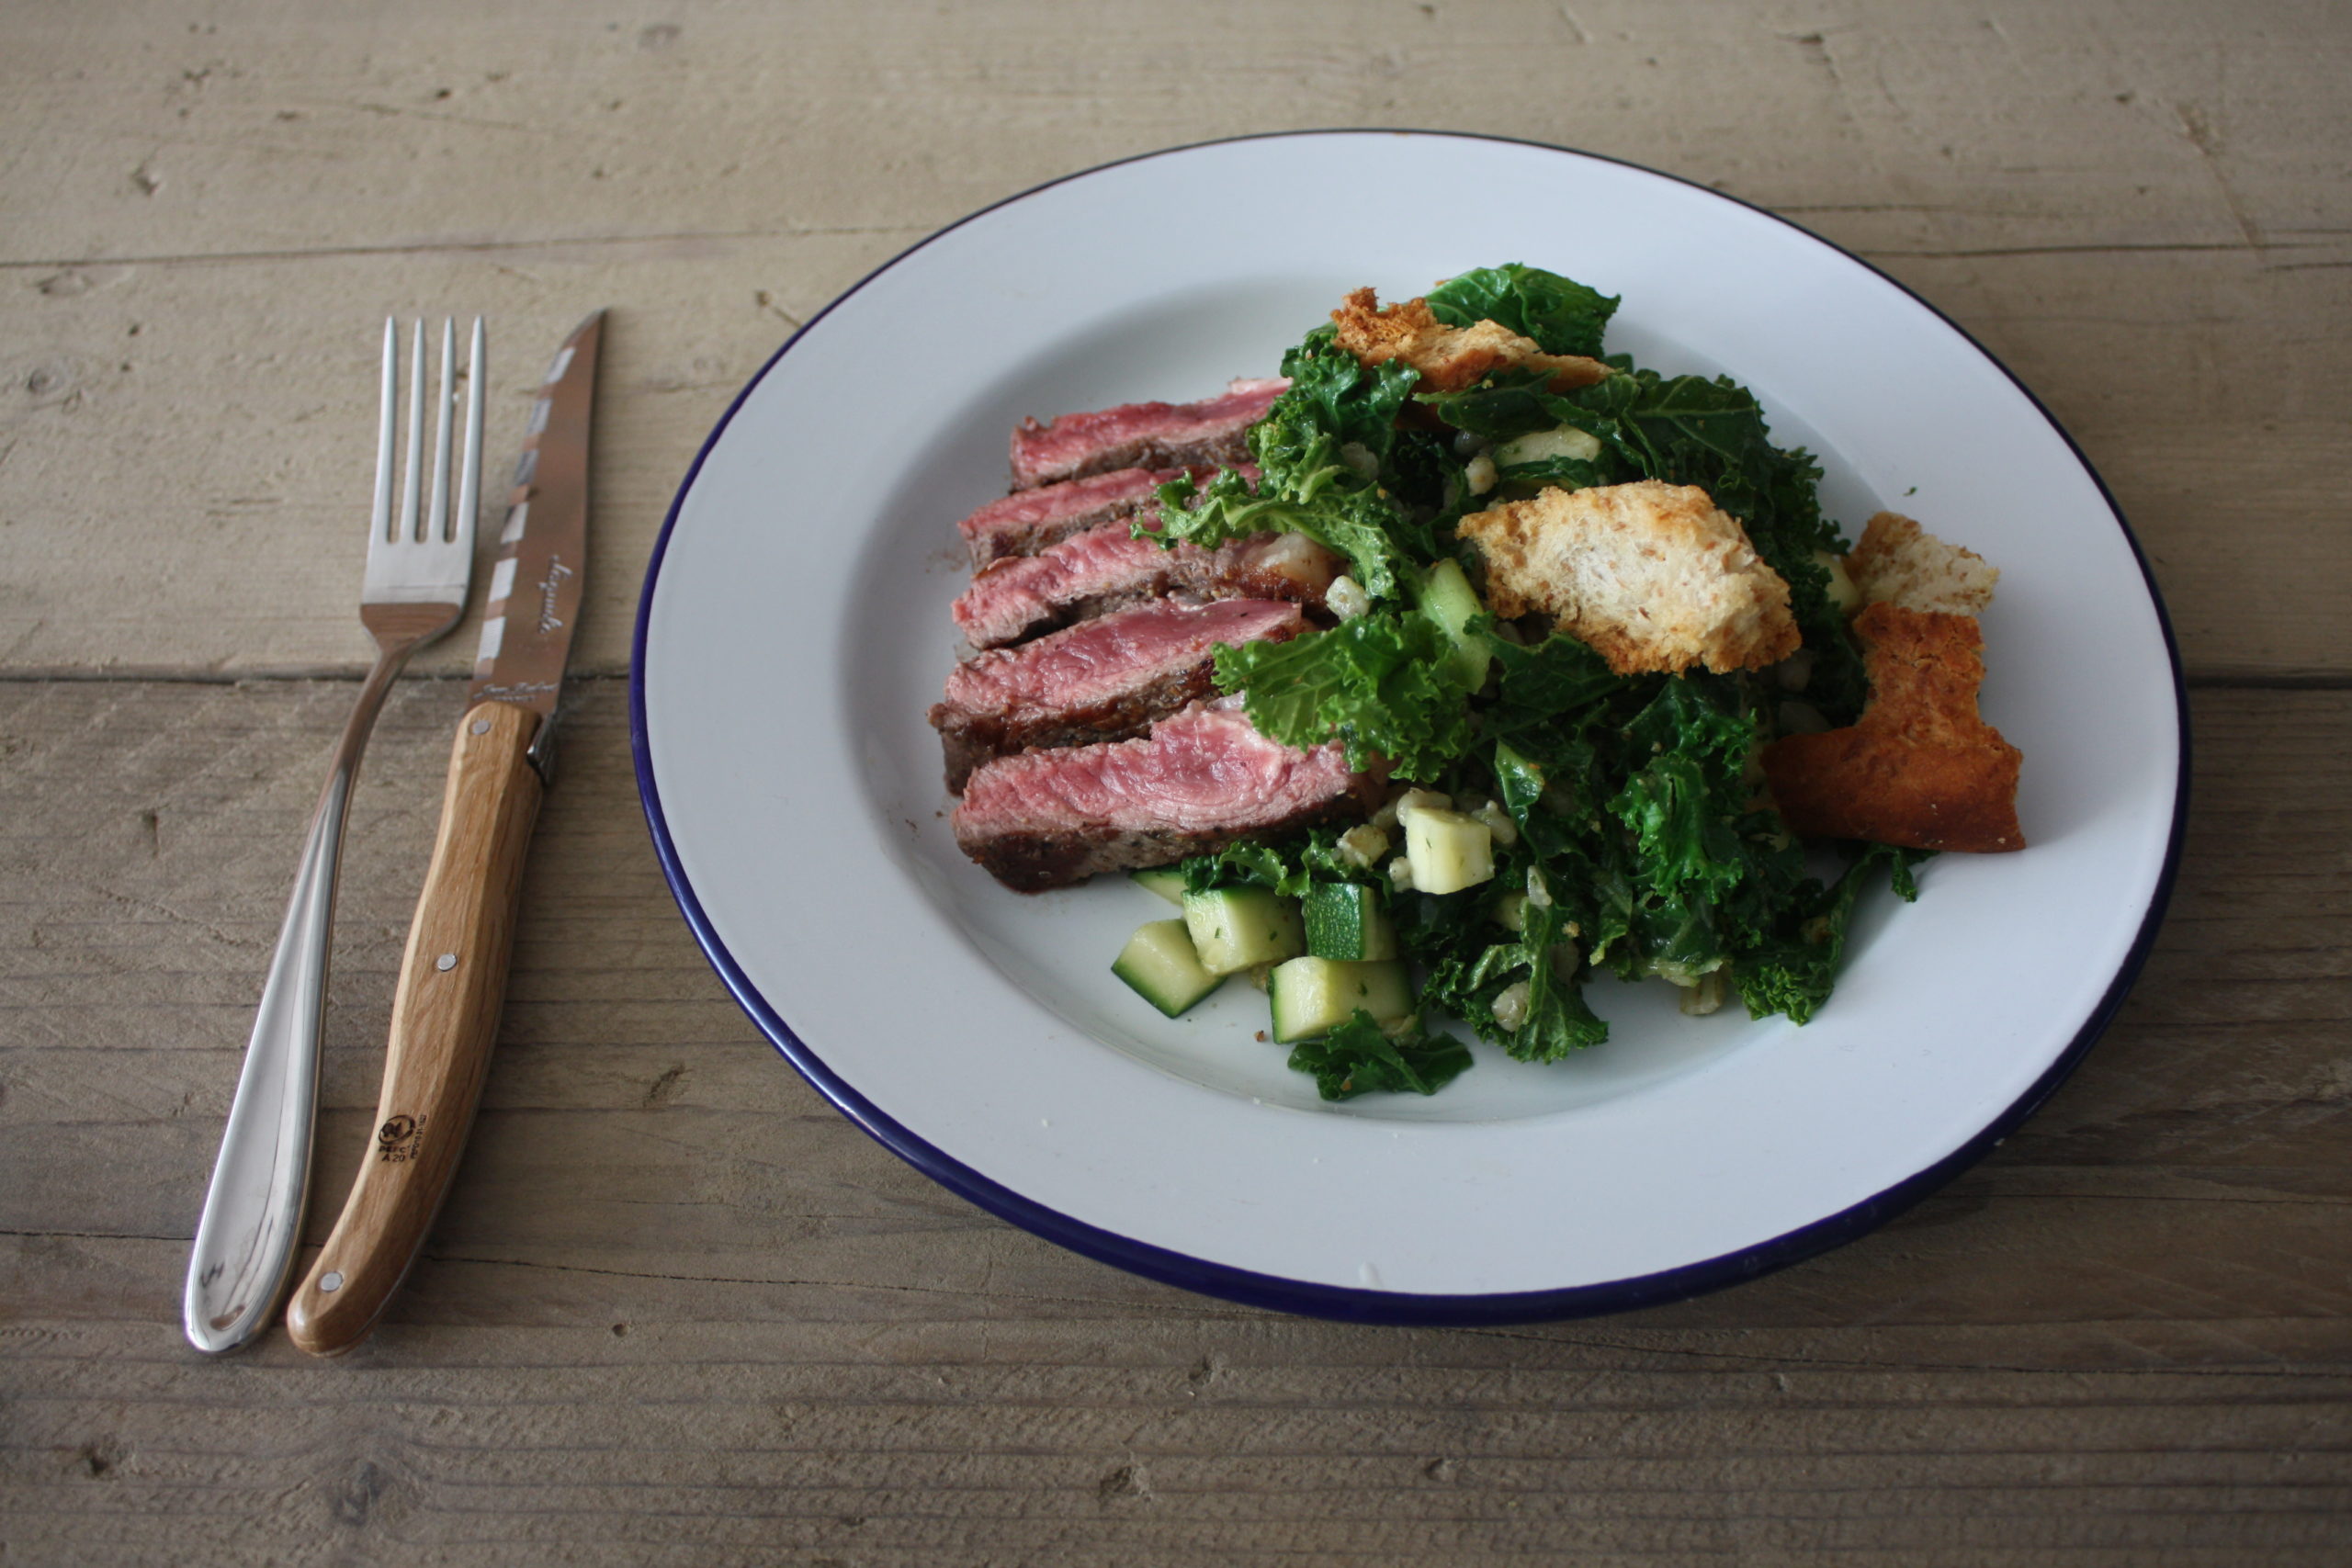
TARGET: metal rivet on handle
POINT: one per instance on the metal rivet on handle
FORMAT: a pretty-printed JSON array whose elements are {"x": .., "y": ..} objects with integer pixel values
[
  {"x": 482, "y": 727},
  {"x": 446, "y": 962},
  {"x": 330, "y": 1281}
]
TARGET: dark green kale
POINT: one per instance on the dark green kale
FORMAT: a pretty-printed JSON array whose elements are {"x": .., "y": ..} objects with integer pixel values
[
  {"x": 1319, "y": 452},
  {"x": 1689, "y": 430},
  {"x": 1330, "y": 392},
  {"x": 1357, "y": 1057},
  {"x": 1794, "y": 969},
  {"x": 1382, "y": 683},
  {"x": 1638, "y": 844},
  {"x": 1473, "y": 960},
  {"x": 1288, "y": 868},
  {"x": 1562, "y": 315},
  {"x": 1329, "y": 503}
]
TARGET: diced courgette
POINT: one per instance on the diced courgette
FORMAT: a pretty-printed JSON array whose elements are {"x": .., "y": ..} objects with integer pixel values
[
  {"x": 1164, "y": 880},
  {"x": 1311, "y": 997},
  {"x": 1448, "y": 851},
  {"x": 1344, "y": 919},
  {"x": 1448, "y": 598},
  {"x": 1239, "y": 927},
  {"x": 1158, "y": 962}
]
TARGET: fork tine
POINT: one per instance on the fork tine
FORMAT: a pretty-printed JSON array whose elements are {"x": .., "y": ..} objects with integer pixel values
[
  {"x": 470, "y": 475},
  {"x": 415, "y": 434},
  {"x": 383, "y": 529},
  {"x": 436, "y": 529}
]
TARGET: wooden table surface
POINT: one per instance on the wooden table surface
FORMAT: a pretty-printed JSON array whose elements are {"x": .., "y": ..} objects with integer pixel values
[{"x": 678, "y": 1309}]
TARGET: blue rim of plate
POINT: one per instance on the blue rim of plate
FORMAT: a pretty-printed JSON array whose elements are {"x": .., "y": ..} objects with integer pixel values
[{"x": 1335, "y": 1302}]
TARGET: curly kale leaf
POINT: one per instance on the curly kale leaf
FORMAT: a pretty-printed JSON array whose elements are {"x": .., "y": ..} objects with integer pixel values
[
  {"x": 1469, "y": 971},
  {"x": 1690, "y": 430},
  {"x": 1550, "y": 688},
  {"x": 1330, "y": 392},
  {"x": 1289, "y": 868},
  {"x": 1564, "y": 316},
  {"x": 1382, "y": 683},
  {"x": 1306, "y": 485},
  {"x": 1792, "y": 970},
  {"x": 1358, "y": 1057}
]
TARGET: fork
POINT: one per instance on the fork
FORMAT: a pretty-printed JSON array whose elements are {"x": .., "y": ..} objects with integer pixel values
[{"x": 414, "y": 590}]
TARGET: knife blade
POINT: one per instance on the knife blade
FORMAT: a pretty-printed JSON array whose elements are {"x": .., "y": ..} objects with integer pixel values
[{"x": 453, "y": 974}]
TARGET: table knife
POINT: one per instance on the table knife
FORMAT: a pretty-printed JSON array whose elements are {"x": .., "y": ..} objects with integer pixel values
[{"x": 453, "y": 975}]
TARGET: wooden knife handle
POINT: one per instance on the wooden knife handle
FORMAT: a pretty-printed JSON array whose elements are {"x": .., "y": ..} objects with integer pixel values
[{"x": 444, "y": 1019}]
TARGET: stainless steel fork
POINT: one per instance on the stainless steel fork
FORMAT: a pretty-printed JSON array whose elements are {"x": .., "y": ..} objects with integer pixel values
[{"x": 414, "y": 590}]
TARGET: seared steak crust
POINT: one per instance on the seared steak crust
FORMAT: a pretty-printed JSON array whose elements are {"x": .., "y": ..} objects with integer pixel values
[
  {"x": 1203, "y": 778},
  {"x": 1142, "y": 436},
  {"x": 1107, "y": 678}
]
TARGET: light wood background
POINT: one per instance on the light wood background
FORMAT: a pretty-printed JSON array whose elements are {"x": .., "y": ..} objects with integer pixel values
[{"x": 678, "y": 1311}]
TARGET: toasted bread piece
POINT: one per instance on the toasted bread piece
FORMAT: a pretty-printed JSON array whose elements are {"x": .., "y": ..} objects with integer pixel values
[
  {"x": 1898, "y": 562},
  {"x": 1920, "y": 768},
  {"x": 1653, "y": 575},
  {"x": 1450, "y": 358}
]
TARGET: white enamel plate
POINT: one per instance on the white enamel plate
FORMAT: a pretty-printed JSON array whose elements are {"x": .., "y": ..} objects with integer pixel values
[{"x": 794, "y": 630}]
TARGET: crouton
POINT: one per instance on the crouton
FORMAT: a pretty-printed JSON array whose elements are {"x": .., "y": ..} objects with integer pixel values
[
  {"x": 1450, "y": 358},
  {"x": 1898, "y": 562},
  {"x": 1652, "y": 575},
  {"x": 1920, "y": 768}
]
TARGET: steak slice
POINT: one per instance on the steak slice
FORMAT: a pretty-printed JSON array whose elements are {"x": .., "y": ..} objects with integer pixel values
[
  {"x": 1142, "y": 436},
  {"x": 1202, "y": 779},
  {"x": 1028, "y": 521},
  {"x": 1102, "y": 680},
  {"x": 1107, "y": 568}
]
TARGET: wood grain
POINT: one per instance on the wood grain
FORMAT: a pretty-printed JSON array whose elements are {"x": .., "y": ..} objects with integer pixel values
[
  {"x": 445, "y": 1020},
  {"x": 678, "y": 1309},
  {"x": 215, "y": 214},
  {"x": 681, "y": 1311}
]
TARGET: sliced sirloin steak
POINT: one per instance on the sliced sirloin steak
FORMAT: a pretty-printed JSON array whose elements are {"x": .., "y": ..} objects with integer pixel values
[
  {"x": 1204, "y": 778},
  {"x": 1029, "y": 521},
  {"x": 1106, "y": 679},
  {"x": 1142, "y": 436},
  {"x": 1106, "y": 568}
]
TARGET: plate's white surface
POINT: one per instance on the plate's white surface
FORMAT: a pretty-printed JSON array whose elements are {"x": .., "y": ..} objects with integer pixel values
[{"x": 795, "y": 630}]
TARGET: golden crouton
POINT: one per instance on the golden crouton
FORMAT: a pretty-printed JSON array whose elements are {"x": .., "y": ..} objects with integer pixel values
[
  {"x": 1920, "y": 768},
  {"x": 1898, "y": 562},
  {"x": 1450, "y": 358},
  {"x": 1652, "y": 575}
]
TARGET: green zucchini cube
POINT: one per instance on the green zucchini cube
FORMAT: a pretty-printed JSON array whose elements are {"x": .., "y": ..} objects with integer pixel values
[
  {"x": 1448, "y": 851},
  {"x": 1311, "y": 997},
  {"x": 1159, "y": 964},
  {"x": 1240, "y": 928},
  {"x": 1344, "y": 919},
  {"x": 1164, "y": 880}
]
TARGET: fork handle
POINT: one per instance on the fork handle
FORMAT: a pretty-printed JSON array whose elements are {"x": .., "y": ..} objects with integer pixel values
[
  {"x": 253, "y": 1209},
  {"x": 444, "y": 1019}
]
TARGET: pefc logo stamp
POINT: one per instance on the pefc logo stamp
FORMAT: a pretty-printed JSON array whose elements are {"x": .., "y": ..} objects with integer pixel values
[{"x": 397, "y": 1139}]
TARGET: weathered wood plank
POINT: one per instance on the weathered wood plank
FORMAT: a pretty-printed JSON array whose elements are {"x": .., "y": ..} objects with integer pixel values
[
  {"x": 674, "y": 1287},
  {"x": 233, "y": 544},
  {"x": 143, "y": 133},
  {"x": 633, "y": 1122},
  {"x": 246, "y": 194},
  {"x": 681, "y": 1311}
]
